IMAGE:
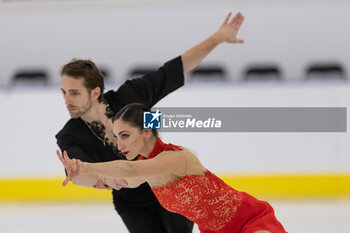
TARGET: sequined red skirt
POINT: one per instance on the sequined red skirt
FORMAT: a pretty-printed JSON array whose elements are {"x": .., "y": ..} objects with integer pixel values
[{"x": 253, "y": 215}]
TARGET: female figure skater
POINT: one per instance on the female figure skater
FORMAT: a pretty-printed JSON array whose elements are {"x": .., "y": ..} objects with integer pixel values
[{"x": 178, "y": 179}]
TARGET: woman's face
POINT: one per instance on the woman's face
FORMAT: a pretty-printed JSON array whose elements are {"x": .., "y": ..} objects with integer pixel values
[{"x": 130, "y": 140}]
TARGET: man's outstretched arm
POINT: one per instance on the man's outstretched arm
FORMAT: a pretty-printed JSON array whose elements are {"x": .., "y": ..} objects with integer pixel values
[{"x": 227, "y": 32}]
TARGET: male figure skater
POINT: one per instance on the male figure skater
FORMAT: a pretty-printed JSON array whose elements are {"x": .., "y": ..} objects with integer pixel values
[{"x": 88, "y": 134}]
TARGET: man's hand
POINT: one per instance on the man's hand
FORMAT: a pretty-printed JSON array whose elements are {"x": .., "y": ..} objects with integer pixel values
[
  {"x": 100, "y": 184},
  {"x": 72, "y": 166},
  {"x": 229, "y": 29},
  {"x": 107, "y": 183},
  {"x": 117, "y": 183},
  {"x": 227, "y": 33}
]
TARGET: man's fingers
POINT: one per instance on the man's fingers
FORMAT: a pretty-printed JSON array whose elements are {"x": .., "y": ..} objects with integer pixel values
[
  {"x": 101, "y": 186},
  {"x": 98, "y": 186},
  {"x": 99, "y": 182},
  {"x": 227, "y": 17},
  {"x": 233, "y": 20},
  {"x": 239, "y": 22},
  {"x": 124, "y": 182}
]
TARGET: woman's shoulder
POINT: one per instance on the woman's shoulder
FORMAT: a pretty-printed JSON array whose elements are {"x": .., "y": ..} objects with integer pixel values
[
  {"x": 179, "y": 151},
  {"x": 189, "y": 162}
]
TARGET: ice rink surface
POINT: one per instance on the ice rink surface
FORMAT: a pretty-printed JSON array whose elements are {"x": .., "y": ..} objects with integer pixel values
[{"x": 332, "y": 216}]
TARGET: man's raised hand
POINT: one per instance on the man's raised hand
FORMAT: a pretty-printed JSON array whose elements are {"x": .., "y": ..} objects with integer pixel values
[{"x": 229, "y": 28}]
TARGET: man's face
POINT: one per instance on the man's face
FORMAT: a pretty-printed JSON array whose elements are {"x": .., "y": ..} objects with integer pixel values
[{"x": 77, "y": 98}]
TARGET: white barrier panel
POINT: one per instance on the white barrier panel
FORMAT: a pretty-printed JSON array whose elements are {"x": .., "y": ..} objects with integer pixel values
[{"x": 30, "y": 118}]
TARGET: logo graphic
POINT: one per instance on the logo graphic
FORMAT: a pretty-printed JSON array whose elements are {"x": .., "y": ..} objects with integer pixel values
[{"x": 151, "y": 120}]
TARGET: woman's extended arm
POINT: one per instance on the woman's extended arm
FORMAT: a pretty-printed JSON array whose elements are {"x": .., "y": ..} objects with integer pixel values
[{"x": 166, "y": 162}]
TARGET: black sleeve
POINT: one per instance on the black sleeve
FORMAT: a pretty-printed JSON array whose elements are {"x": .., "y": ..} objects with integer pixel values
[
  {"x": 73, "y": 151},
  {"x": 152, "y": 87}
]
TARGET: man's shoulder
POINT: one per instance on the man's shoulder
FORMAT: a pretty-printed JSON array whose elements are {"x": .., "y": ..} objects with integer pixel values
[
  {"x": 121, "y": 90},
  {"x": 124, "y": 95},
  {"x": 72, "y": 127}
]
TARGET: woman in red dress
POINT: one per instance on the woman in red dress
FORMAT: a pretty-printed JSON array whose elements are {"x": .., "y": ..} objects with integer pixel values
[{"x": 178, "y": 179}]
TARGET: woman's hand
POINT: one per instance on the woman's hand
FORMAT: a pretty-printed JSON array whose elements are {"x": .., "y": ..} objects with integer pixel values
[
  {"x": 72, "y": 166},
  {"x": 229, "y": 29}
]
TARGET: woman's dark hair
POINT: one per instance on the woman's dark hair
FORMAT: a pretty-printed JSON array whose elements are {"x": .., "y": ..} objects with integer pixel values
[{"x": 133, "y": 115}]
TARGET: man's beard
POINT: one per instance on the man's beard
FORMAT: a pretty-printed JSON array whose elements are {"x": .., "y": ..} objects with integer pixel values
[{"x": 81, "y": 111}]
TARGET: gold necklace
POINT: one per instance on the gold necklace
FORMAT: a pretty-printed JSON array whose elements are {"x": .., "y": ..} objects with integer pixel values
[
  {"x": 105, "y": 126},
  {"x": 98, "y": 137}
]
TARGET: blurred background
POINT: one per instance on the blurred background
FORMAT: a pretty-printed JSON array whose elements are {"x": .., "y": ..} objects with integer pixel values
[{"x": 296, "y": 54}]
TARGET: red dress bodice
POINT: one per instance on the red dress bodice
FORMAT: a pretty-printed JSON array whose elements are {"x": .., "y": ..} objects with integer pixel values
[
  {"x": 204, "y": 199},
  {"x": 212, "y": 204}
]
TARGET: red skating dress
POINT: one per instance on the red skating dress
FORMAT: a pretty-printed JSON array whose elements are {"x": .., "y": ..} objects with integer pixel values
[{"x": 212, "y": 204}]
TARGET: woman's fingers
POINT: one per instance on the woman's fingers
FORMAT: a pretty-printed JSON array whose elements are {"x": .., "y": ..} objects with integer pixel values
[
  {"x": 60, "y": 157},
  {"x": 64, "y": 159},
  {"x": 71, "y": 166},
  {"x": 66, "y": 181},
  {"x": 65, "y": 155},
  {"x": 67, "y": 162},
  {"x": 74, "y": 165}
]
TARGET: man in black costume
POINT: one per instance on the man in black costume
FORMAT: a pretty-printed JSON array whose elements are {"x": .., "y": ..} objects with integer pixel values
[{"x": 88, "y": 134}]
